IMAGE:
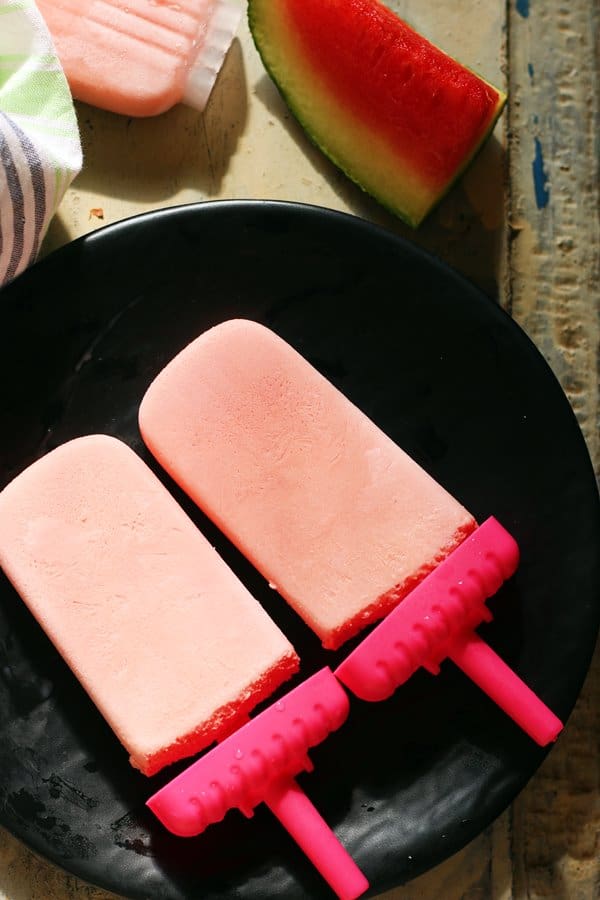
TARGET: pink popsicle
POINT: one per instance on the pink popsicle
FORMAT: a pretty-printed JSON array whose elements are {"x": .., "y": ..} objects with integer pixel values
[
  {"x": 333, "y": 513},
  {"x": 151, "y": 620},
  {"x": 140, "y": 57}
]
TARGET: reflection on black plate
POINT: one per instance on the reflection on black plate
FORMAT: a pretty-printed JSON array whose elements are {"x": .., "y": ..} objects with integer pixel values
[{"x": 451, "y": 378}]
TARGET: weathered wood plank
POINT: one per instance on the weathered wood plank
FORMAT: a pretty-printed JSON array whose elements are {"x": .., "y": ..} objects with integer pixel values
[
  {"x": 554, "y": 170},
  {"x": 553, "y": 292}
]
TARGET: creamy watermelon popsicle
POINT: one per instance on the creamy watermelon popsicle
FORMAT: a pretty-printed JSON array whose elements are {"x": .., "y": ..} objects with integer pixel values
[
  {"x": 140, "y": 57},
  {"x": 326, "y": 506},
  {"x": 168, "y": 643},
  {"x": 143, "y": 609}
]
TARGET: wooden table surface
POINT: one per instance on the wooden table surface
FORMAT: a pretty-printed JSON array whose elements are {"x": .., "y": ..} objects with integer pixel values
[{"x": 523, "y": 223}]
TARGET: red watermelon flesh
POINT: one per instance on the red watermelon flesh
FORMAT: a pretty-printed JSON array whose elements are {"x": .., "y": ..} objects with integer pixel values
[{"x": 397, "y": 114}]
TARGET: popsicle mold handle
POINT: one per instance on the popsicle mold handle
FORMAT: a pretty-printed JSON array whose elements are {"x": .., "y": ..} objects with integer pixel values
[
  {"x": 289, "y": 803},
  {"x": 437, "y": 620},
  {"x": 485, "y": 668},
  {"x": 420, "y": 631},
  {"x": 257, "y": 764}
]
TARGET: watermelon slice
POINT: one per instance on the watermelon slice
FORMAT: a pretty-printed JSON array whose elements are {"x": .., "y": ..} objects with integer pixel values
[{"x": 395, "y": 113}]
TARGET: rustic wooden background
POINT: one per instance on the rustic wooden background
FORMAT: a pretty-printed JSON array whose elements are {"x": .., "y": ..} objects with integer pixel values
[{"x": 523, "y": 223}]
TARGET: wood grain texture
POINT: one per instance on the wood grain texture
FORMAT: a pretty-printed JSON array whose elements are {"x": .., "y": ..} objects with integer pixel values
[
  {"x": 554, "y": 262},
  {"x": 541, "y": 261},
  {"x": 553, "y": 292}
]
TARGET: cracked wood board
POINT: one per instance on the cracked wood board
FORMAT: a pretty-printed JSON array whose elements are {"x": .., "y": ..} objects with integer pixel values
[{"x": 552, "y": 291}]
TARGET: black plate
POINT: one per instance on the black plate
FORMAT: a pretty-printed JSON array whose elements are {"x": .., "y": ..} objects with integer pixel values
[{"x": 452, "y": 379}]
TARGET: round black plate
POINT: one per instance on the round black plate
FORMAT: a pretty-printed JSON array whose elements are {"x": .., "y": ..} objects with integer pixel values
[{"x": 452, "y": 379}]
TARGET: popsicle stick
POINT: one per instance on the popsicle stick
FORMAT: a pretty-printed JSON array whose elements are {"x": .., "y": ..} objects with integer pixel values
[
  {"x": 289, "y": 803},
  {"x": 483, "y": 665}
]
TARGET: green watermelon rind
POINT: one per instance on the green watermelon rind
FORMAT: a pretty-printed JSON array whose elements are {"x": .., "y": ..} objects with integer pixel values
[{"x": 355, "y": 178}]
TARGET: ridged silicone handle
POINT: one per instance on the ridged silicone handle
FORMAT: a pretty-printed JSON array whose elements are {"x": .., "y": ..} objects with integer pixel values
[
  {"x": 437, "y": 620},
  {"x": 258, "y": 763},
  {"x": 289, "y": 803},
  {"x": 486, "y": 669}
]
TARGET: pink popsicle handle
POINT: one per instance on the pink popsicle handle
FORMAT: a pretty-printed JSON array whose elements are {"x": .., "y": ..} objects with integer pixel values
[
  {"x": 486, "y": 669},
  {"x": 289, "y": 803},
  {"x": 438, "y": 620},
  {"x": 258, "y": 763}
]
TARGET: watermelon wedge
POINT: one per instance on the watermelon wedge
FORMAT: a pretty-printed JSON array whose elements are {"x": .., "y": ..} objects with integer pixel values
[{"x": 395, "y": 113}]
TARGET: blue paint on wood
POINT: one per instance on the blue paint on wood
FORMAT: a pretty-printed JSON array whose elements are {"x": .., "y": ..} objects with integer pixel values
[
  {"x": 523, "y": 8},
  {"x": 540, "y": 179},
  {"x": 530, "y": 70}
]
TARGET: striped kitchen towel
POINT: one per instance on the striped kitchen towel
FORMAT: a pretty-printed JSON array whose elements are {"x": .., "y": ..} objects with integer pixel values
[{"x": 40, "y": 151}]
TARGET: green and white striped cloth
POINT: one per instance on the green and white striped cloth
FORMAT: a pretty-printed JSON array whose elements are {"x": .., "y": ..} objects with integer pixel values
[{"x": 40, "y": 150}]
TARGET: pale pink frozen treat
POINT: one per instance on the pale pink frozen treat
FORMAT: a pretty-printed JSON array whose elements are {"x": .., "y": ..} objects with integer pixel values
[
  {"x": 140, "y": 57},
  {"x": 166, "y": 640},
  {"x": 333, "y": 513}
]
